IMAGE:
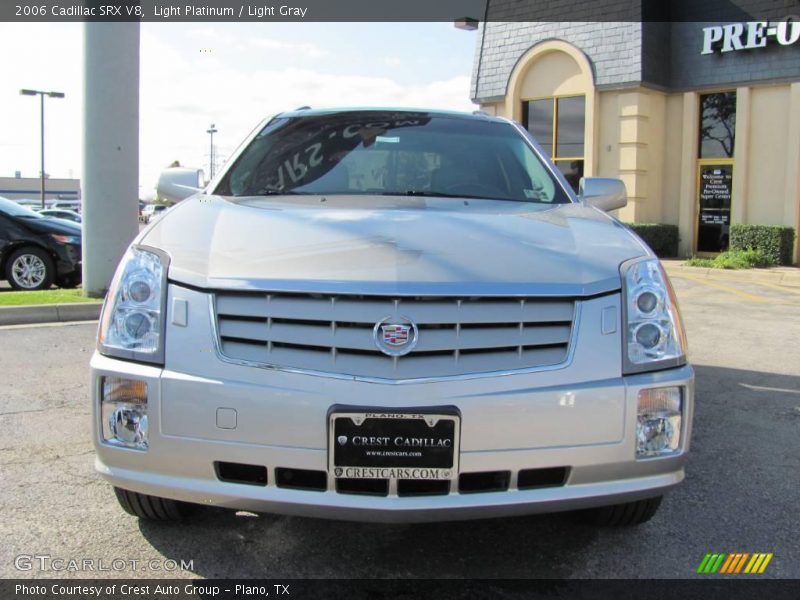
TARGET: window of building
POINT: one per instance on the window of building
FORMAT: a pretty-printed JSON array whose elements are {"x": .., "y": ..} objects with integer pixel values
[
  {"x": 717, "y": 125},
  {"x": 558, "y": 124}
]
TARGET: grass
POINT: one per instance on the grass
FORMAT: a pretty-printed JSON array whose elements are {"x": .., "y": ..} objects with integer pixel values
[
  {"x": 57, "y": 296},
  {"x": 733, "y": 259}
]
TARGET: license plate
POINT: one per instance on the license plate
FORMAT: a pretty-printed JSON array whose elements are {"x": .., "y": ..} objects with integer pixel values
[{"x": 393, "y": 445}]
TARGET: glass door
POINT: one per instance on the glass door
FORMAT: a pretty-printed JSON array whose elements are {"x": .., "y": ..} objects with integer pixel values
[
  {"x": 715, "y": 165},
  {"x": 715, "y": 185}
]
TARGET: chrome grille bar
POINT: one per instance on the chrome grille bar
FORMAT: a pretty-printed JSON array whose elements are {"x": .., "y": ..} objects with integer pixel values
[{"x": 334, "y": 334}]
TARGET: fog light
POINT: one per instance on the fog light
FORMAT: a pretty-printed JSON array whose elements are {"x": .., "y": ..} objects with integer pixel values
[
  {"x": 124, "y": 412},
  {"x": 658, "y": 424}
]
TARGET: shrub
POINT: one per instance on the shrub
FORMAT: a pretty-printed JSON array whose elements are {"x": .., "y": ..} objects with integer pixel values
[
  {"x": 773, "y": 241},
  {"x": 697, "y": 261},
  {"x": 734, "y": 259},
  {"x": 662, "y": 238}
]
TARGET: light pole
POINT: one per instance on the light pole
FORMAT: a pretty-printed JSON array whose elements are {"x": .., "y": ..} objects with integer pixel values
[
  {"x": 41, "y": 95},
  {"x": 211, "y": 131}
]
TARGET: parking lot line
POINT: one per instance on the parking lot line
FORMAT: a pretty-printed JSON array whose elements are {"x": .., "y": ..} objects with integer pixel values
[
  {"x": 744, "y": 295},
  {"x": 774, "y": 286}
]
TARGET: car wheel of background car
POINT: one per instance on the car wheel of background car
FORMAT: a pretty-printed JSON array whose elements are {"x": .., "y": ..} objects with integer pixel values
[
  {"x": 152, "y": 508},
  {"x": 30, "y": 269},
  {"x": 621, "y": 515}
]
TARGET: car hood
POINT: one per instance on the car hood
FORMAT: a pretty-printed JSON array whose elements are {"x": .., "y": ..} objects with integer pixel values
[
  {"x": 52, "y": 225},
  {"x": 393, "y": 245}
]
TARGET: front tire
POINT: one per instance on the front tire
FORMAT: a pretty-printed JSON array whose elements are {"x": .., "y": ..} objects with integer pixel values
[
  {"x": 152, "y": 508},
  {"x": 622, "y": 515},
  {"x": 30, "y": 269}
]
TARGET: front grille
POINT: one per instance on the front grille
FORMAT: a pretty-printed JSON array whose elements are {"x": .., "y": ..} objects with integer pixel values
[{"x": 335, "y": 334}]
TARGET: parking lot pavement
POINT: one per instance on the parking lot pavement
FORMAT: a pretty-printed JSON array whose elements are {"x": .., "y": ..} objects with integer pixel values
[{"x": 741, "y": 493}]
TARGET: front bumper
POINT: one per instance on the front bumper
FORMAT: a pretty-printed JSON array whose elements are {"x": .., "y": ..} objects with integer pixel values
[
  {"x": 574, "y": 416},
  {"x": 68, "y": 263}
]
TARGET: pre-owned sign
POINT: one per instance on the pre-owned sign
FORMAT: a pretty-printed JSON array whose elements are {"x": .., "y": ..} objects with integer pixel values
[{"x": 748, "y": 36}]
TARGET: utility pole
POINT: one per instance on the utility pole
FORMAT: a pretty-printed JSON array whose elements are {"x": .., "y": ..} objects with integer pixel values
[
  {"x": 41, "y": 95},
  {"x": 211, "y": 131},
  {"x": 110, "y": 178}
]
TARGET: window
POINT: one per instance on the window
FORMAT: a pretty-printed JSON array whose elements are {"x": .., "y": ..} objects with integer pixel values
[
  {"x": 717, "y": 125},
  {"x": 388, "y": 153},
  {"x": 558, "y": 124},
  {"x": 715, "y": 167}
]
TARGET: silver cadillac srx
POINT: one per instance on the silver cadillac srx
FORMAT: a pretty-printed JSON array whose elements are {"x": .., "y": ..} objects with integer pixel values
[{"x": 391, "y": 315}]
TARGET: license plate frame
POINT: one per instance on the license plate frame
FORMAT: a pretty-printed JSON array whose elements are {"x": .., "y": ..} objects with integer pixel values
[{"x": 433, "y": 433}]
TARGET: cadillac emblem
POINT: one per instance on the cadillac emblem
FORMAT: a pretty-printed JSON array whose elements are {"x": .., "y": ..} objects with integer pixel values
[{"x": 395, "y": 336}]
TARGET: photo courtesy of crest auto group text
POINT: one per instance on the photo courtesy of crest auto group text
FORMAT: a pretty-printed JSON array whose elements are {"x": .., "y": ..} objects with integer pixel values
[{"x": 457, "y": 297}]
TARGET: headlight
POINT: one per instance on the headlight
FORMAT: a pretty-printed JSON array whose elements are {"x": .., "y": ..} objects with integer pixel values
[
  {"x": 654, "y": 335},
  {"x": 132, "y": 324}
]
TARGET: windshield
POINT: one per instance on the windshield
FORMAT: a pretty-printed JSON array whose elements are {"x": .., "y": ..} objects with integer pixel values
[
  {"x": 12, "y": 209},
  {"x": 391, "y": 153}
]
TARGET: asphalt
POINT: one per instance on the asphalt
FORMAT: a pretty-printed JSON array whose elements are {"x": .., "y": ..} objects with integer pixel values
[{"x": 741, "y": 493}]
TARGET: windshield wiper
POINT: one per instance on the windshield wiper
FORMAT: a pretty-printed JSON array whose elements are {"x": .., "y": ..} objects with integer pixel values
[
  {"x": 432, "y": 194},
  {"x": 274, "y": 192}
]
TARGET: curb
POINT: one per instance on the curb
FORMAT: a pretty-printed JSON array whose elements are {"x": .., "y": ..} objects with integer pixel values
[
  {"x": 782, "y": 276},
  {"x": 50, "y": 313}
]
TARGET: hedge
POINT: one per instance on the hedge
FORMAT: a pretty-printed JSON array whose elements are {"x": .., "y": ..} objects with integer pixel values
[
  {"x": 773, "y": 241},
  {"x": 662, "y": 238}
]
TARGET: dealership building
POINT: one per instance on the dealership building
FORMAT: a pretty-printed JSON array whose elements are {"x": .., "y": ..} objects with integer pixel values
[
  {"x": 700, "y": 119},
  {"x": 29, "y": 188}
]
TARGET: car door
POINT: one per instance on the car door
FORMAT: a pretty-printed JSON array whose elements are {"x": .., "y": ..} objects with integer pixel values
[{"x": 10, "y": 231}]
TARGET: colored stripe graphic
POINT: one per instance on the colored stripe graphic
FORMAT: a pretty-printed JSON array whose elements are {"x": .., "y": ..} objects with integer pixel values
[
  {"x": 732, "y": 560},
  {"x": 741, "y": 562},
  {"x": 703, "y": 563},
  {"x": 733, "y": 563},
  {"x": 711, "y": 563},
  {"x": 765, "y": 563}
]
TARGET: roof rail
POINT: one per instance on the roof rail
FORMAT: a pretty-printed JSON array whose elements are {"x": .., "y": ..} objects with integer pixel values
[{"x": 303, "y": 108}]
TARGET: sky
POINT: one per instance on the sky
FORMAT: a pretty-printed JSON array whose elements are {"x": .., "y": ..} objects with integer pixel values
[{"x": 230, "y": 74}]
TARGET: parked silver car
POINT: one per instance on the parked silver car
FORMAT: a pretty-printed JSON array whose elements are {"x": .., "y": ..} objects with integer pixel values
[{"x": 391, "y": 315}]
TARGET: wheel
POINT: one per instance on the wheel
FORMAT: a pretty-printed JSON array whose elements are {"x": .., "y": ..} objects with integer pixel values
[
  {"x": 621, "y": 515},
  {"x": 152, "y": 508},
  {"x": 30, "y": 268}
]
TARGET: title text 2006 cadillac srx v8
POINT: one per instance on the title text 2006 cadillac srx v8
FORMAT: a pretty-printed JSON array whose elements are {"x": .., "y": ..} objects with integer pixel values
[{"x": 391, "y": 315}]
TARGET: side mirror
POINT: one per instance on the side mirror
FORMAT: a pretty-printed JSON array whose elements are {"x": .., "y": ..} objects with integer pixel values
[
  {"x": 178, "y": 183},
  {"x": 603, "y": 192}
]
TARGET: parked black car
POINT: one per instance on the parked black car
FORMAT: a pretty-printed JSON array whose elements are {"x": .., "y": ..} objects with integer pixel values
[{"x": 37, "y": 251}]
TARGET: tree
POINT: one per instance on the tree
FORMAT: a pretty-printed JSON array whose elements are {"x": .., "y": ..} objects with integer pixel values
[{"x": 719, "y": 120}]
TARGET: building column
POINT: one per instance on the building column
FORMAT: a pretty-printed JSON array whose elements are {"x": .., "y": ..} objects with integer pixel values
[
  {"x": 791, "y": 203},
  {"x": 634, "y": 126},
  {"x": 687, "y": 207},
  {"x": 741, "y": 153},
  {"x": 110, "y": 177}
]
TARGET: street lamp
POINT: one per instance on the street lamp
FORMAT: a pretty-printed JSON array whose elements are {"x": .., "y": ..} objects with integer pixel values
[
  {"x": 211, "y": 131},
  {"x": 41, "y": 95}
]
